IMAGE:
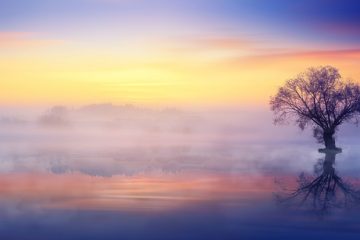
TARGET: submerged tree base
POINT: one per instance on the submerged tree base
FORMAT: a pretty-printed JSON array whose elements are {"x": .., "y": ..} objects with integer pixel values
[{"x": 330, "y": 150}]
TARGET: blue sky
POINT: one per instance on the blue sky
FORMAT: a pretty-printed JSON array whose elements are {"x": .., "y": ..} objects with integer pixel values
[{"x": 331, "y": 21}]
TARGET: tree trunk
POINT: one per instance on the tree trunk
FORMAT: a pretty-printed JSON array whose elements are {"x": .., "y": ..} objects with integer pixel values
[
  {"x": 328, "y": 165},
  {"x": 329, "y": 139}
]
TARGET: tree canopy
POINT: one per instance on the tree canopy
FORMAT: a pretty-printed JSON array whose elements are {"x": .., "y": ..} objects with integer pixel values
[{"x": 318, "y": 97}]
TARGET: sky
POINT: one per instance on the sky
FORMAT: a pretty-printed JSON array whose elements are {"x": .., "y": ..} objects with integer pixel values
[
  {"x": 169, "y": 53},
  {"x": 138, "y": 170}
]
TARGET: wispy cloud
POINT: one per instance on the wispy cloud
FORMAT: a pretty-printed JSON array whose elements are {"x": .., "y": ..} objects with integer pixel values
[
  {"x": 25, "y": 40},
  {"x": 344, "y": 56}
]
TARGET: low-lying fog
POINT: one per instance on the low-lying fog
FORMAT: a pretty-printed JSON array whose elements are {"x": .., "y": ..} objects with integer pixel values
[{"x": 107, "y": 140}]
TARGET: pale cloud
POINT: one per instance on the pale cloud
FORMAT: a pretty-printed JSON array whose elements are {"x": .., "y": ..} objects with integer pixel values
[{"x": 25, "y": 40}]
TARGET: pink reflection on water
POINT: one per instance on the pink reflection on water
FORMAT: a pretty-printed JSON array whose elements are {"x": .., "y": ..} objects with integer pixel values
[{"x": 151, "y": 192}]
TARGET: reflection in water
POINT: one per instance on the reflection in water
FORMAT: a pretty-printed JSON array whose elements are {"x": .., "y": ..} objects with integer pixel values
[
  {"x": 228, "y": 200},
  {"x": 327, "y": 190},
  {"x": 140, "y": 193},
  {"x": 156, "y": 177}
]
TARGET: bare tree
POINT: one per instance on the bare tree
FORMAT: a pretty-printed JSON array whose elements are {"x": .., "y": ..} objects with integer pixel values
[{"x": 320, "y": 98}]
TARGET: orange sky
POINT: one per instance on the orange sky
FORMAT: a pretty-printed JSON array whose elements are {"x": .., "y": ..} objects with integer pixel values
[
  {"x": 198, "y": 72},
  {"x": 167, "y": 53}
]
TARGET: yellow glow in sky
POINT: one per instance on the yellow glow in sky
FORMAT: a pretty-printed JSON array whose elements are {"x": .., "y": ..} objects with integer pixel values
[{"x": 202, "y": 72}]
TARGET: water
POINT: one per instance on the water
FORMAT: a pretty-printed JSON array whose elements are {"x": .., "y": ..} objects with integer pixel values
[{"x": 162, "y": 178}]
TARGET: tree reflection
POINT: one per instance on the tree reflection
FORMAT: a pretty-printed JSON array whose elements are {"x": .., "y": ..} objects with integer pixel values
[{"x": 324, "y": 192}]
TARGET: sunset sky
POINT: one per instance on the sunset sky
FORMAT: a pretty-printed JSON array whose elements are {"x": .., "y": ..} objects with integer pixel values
[
  {"x": 169, "y": 53},
  {"x": 151, "y": 119}
]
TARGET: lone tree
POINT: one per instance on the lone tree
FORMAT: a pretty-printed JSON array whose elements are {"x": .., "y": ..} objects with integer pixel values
[{"x": 318, "y": 98}]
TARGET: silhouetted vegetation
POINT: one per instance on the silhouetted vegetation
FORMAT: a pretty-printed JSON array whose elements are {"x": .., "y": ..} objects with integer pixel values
[
  {"x": 319, "y": 98},
  {"x": 55, "y": 117}
]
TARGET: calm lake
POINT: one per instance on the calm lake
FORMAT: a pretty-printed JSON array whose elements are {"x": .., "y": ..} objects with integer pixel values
[{"x": 189, "y": 177}]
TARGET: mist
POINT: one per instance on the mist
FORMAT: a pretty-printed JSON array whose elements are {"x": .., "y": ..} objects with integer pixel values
[{"x": 107, "y": 140}]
